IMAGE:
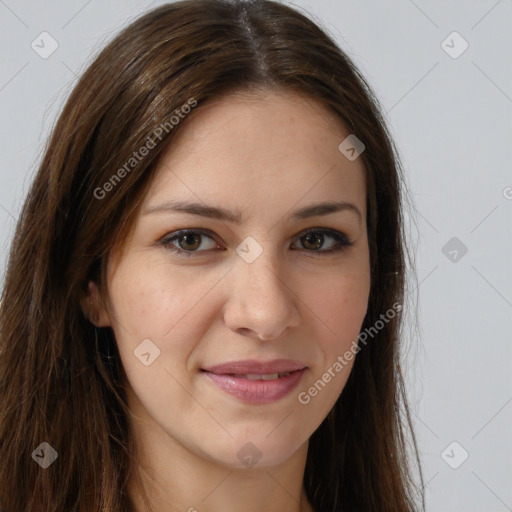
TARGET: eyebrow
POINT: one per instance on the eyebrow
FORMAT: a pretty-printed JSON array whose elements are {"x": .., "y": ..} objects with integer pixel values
[{"x": 213, "y": 212}]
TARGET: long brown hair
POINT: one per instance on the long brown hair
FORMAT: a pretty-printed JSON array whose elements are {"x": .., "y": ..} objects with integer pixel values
[{"x": 60, "y": 377}]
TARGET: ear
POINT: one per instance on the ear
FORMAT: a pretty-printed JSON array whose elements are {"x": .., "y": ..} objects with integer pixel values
[{"x": 94, "y": 308}]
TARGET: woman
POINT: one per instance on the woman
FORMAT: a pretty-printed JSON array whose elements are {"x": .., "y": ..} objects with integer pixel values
[{"x": 202, "y": 304}]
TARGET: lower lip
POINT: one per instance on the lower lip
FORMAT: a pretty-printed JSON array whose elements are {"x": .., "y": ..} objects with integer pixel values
[{"x": 257, "y": 391}]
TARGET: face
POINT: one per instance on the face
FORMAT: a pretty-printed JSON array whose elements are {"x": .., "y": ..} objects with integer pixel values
[{"x": 232, "y": 258}]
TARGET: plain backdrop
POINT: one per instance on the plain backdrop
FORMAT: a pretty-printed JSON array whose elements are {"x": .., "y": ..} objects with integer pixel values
[{"x": 448, "y": 100}]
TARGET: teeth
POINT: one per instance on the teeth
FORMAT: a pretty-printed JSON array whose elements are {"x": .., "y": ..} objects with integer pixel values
[{"x": 268, "y": 376}]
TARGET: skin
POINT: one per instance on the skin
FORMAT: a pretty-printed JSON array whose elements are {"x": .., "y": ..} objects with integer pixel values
[{"x": 264, "y": 155}]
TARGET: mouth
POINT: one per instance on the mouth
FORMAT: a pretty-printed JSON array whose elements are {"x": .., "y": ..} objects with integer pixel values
[{"x": 256, "y": 388}]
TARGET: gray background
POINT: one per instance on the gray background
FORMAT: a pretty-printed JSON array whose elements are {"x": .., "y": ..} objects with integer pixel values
[{"x": 451, "y": 119}]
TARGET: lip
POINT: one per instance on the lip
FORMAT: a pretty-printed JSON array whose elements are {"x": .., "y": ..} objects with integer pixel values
[
  {"x": 256, "y": 391},
  {"x": 258, "y": 367}
]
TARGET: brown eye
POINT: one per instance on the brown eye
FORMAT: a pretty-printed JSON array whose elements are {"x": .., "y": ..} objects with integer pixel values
[
  {"x": 312, "y": 240},
  {"x": 324, "y": 241},
  {"x": 190, "y": 241}
]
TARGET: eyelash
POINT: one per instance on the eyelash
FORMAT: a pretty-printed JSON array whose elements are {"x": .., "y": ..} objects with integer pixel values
[{"x": 343, "y": 242}]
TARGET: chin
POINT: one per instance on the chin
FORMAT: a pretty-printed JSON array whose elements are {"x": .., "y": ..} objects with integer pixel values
[{"x": 246, "y": 452}]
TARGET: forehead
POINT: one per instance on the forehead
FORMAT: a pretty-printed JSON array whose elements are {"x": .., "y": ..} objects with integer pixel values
[{"x": 272, "y": 147}]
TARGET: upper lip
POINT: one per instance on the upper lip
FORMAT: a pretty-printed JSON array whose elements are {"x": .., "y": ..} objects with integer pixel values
[{"x": 256, "y": 367}]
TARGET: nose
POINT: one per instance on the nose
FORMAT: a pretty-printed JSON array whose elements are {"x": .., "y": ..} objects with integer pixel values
[{"x": 261, "y": 300}]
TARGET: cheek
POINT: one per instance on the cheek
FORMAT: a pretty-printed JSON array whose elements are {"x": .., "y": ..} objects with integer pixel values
[
  {"x": 338, "y": 306},
  {"x": 169, "y": 308},
  {"x": 340, "y": 303},
  {"x": 149, "y": 299}
]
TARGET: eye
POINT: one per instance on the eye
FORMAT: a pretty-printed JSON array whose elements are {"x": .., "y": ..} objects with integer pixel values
[
  {"x": 187, "y": 241},
  {"x": 314, "y": 239}
]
